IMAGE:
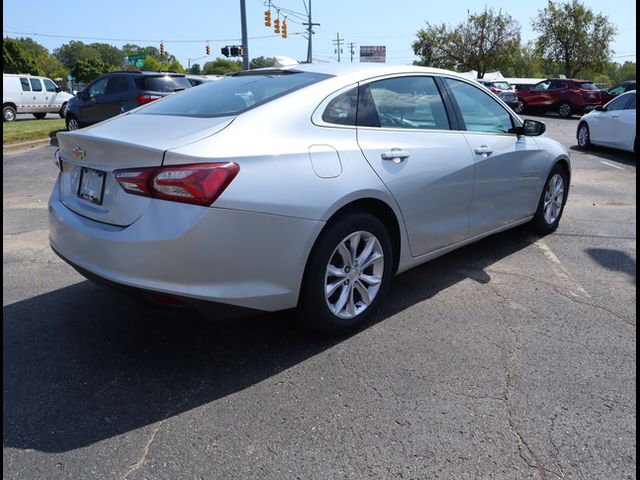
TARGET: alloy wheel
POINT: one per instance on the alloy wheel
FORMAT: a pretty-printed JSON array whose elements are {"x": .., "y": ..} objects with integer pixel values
[{"x": 553, "y": 198}]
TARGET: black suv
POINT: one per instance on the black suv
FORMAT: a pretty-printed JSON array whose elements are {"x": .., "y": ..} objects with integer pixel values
[{"x": 116, "y": 92}]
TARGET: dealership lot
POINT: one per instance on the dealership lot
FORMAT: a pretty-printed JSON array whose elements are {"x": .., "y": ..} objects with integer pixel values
[{"x": 511, "y": 358}]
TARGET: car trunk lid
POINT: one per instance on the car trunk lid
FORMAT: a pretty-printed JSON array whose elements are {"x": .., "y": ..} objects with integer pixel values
[{"x": 90, "y": 156}]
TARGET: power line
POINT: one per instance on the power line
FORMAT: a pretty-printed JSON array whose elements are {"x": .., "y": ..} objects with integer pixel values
[{"x": 338, "y": 44}]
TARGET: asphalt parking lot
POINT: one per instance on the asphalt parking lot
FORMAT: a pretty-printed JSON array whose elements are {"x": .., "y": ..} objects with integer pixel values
[{"x": 513, "y": 358}]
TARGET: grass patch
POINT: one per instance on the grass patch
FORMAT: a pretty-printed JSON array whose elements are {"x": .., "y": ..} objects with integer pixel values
[{"x": 23, "y": 130}]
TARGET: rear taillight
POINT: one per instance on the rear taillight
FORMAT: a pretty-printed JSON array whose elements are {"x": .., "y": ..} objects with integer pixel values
[
  {"x": 495, "y": 90},
  {"x": 146, "y": 98},
  {"x": 200, "y": 184}
]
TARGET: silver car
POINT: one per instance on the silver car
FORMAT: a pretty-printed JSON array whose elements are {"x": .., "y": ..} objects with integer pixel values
[{"x": 305, "y": 186}]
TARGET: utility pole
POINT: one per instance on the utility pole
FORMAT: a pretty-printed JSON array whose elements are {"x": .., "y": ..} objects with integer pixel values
[
  {"x": 351, "y": 46},
  {"x": 310, "y": 33},
  {"x": 338, "y": 44},
  {"x": 245, "y": 40}
]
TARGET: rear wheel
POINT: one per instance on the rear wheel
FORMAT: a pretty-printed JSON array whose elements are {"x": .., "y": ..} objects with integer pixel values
[
  {"x": 347, "y": 274},
  {"x": 552, "y": 201},
  {"x": 40, "y": 115},
  {"x": 519, "y": 107},
  {"x": 72, "y": 123},
  {"x": 584, "y": 140},
  {"x": 565, "y": 110},
  {"x": 8, "y": 113}
]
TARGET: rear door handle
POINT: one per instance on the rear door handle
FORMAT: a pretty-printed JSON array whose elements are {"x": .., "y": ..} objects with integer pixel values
[
  {"x": 483, "y": 150},
  {"x": 395, "y": 154}
]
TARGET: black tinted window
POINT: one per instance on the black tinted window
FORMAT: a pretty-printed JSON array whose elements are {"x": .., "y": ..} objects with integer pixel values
[
  {"x": 98, "y": 88},
  {"x": 618, "y": 103},
  {"x": 231, "y": 95},
  {"x": 36, "y": 86},
  {"x": 342, "y": 109},
  {"x": 409, "y": 102},
  {"x": 632, "y": 103},
  {"x": 586, "y": 86},
  {"x": 162, "y": 83},
  {"x": 116, "y": 85},
  {"x": 25, "y": 85}
]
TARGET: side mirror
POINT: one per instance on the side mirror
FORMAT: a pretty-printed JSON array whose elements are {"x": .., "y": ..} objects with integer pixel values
[
  {"x": 58, "y": 89},
  {"x": 531, "y": 128},
  {"x": 601, "y": 109}
]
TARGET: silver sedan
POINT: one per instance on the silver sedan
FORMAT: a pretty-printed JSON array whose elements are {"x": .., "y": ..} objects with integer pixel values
[{"x": 305, "y": 186}]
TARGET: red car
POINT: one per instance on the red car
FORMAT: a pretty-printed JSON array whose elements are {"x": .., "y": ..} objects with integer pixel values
[{"x": 564, "y": 95}]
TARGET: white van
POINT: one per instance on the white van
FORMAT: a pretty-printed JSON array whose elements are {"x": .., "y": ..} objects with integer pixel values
[{"x": 24, "y": 93}]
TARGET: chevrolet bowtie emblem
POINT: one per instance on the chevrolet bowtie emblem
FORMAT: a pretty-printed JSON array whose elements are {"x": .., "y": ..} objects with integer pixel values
[{"x": 79, "y": 152}]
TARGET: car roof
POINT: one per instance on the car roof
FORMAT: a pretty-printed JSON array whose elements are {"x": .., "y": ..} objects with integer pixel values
[{"x": 144, "y": 72}]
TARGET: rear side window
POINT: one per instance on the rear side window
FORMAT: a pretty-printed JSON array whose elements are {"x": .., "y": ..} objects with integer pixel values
[
  {"x": 116, "y": 85},
  {"x": 586, "y": 86},
  {"x": 25, "y": 85},
  {"x": 342, "y": 109},
  {"x": 163, "y": 83},
  {"x": 36, "y": 86},
  {"x": 480, "y": 112},
  {"x": 231, "y": 95},
  {"x": 632, "y": 103},
  {"x": 409, "y": 102},
  {"x": 618, "y": 103}
]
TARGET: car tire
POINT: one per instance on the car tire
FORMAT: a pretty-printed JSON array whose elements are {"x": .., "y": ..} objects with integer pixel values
[
  {"x": 565, "y": 110},
  {"x": 8, "y": 113},
  {"x": 72, "y": 123},
  {"x": 552, "y": 201},
  {"x": 40, "y": 115},
  {"x": 583, "y": 136},
  {"x": 338, "y": 295},
  {"x": 519, "y": 107},
  {"x": 63, "y": 110}
]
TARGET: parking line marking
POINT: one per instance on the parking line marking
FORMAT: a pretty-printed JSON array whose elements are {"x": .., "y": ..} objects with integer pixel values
[
  {"x": 560, "y": 270},
  {"x": 611, "y": 165}
]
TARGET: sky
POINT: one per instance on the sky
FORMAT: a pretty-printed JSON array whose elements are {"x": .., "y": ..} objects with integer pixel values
[{"x": 185, "y": 27}]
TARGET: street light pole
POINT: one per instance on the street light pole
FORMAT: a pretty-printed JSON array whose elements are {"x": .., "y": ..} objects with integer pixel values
[{"x": 245, "y": 42}]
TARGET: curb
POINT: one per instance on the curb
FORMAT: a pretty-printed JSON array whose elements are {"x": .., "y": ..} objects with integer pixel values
[{"x": 24, "y": 146}]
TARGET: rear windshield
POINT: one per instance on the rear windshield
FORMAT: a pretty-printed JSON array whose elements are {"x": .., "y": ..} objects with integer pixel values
[
  {"x": 165, "y": 83},
  {"x": 232, "y": 95},
  {"x": 502, "y": 85},
  {"x": 586, "y": 86}
]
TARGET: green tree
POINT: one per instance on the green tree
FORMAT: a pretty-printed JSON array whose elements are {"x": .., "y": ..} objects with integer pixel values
[
  {"x": 110, "y": 55},
  {"x": 86, "y": 70},
  {"x": 484, "y": 42},
  {"x": 16, "y": 58},
  {"x": 70, "y": 53},
  {"x": 220, "y": 66},
  {"x": 573, "y": 36},
  {"x": 195, "y": 69},
  {"x": 262, "y": 62}
]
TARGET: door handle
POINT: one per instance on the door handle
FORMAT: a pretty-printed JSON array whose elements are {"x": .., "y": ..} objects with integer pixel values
[
  {"x": 483, "y": 150},
  {"x": 395, "y": 154}
]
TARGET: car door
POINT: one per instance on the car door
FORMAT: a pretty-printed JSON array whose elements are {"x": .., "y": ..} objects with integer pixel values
[
  {"x": 112, "y": 102},
  {"x": 508, "y": 167},
  {"x": 88, "y": 106},
  {"x": 37, "y": 102},
  {"x": 51, "y": 96},
  {"x": 405, "y": 134},
  {"x": 603, "y": 126},
  {"x": 626, "y": 124},
  {"x": 25, "y": 96},
  {"x": 537, "y": 95}
]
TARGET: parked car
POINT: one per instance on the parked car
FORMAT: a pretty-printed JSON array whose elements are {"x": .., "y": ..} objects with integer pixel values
[
  {"x": 611, "y": 93},
  {"x": 304, "y": 186},
  {"x": 563, "y": 95},
  {"x": 613, "y": 125},
  {"x": 23, "y": 93},
  {"x": 116, "y": 92},
  {"x": 503, "y": 90}
]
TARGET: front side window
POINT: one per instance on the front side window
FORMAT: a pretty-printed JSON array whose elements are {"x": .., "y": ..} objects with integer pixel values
[
  {"x": 25, "y": 85},
  {"x": 407, "y": 102},
  {"x": 232, "y": 95},
  {"x": 98, "y": 88},
  {"x": 49, "y": 85},
  {"x": 618, "y": 103},
  {"x": 480, "y": 112},
  {"x": 36, "y": 86}
]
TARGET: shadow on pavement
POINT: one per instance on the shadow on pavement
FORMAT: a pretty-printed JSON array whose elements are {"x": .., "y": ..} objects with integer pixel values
[
  {"x": 620, "y": 156},
  {"x": 83, "y": 364},
  {"x": 615, "y": 260}
]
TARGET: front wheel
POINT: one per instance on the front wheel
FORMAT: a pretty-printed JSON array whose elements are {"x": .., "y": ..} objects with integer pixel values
[
  {"x": 584, "y": 139},
  {"x": 8, "y": 113},
  {"x": 63, "y": 110},
  {"x": 552, "y": 201},
  {"x": 347, "y": 274}
]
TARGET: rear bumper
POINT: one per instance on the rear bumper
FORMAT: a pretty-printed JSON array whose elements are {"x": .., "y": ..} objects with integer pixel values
[{"x": 232, "y": 257}]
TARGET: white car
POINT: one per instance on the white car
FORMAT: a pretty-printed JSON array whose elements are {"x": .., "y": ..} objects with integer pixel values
[
  {"x": 23, "y": 93},
  {"x": 613, "y": 125}
]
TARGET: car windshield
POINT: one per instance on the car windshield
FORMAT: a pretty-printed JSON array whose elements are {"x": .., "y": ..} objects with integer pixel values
[
  {"x": 163, "y": 83},
  {"x": 233, "y": 94},
  {"x": 587, "y": 86}
]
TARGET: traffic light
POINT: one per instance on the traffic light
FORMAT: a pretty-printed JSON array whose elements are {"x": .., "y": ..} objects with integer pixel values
[
  {"x": 161, "y": 48},
  {"x": 284, "y": 28},
  {"x": 207, "y": 49},
  {"x": 236, "y": 51},
  {"x": 276, "y": 25},
  {"x": 267, "y": 18},
  {"x": 225, "y": 51}
]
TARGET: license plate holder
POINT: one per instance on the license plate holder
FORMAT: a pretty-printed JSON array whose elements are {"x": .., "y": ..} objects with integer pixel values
[{"x": 91, "y": 185}]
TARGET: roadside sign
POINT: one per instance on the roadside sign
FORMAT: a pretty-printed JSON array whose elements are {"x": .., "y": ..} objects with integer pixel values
[
  {"x": 373, "y": 53},
  {"x": 136, "y": 60}
]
